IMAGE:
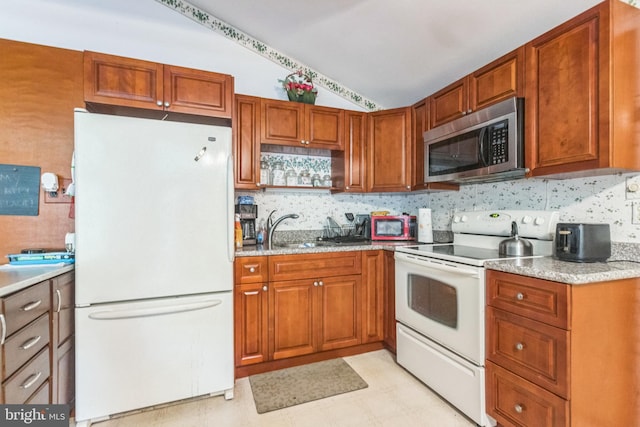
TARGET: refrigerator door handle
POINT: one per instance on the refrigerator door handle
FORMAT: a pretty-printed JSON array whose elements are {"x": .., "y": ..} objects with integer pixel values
[
  {"x": 230, "y": 210},
  {"x": 153, "y": 311}
]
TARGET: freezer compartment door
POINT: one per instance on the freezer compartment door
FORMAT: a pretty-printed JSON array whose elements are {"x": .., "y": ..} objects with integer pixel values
[
  {"x": 154, "y": 208},
  {"x": 140, "y": 354}
]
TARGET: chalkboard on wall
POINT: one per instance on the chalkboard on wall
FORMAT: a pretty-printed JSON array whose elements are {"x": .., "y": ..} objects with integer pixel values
[{"x": 19, "y": 190}]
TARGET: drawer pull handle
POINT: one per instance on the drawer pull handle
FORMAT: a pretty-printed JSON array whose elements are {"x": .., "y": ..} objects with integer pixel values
[
  {"x": 519, "y": 346},
  {"x": 519, "y": 296},
  {"x": 31, "y": 380},
  {"x": 59, "y": 297},
  {"x": 30, "y": 343},
  {"x": 519, "y": 408},
  {"x": 3, "y": 324},
  {"x": 31, "y": 305}
]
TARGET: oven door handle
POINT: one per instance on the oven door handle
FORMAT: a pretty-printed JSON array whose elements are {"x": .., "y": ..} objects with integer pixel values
[{"x": 440, "y": 265}]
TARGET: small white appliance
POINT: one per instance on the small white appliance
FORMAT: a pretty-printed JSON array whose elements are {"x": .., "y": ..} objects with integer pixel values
[
  {"x": 154, "y": 257},
  {"x": 440, "y": 302}
]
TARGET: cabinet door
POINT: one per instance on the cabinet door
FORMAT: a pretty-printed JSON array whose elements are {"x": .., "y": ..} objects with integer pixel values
[
  {"x": 449, "y": 103},
  {"x": 282, "y": 123},
  {"x": 338, "y": 311},
  {"x": 563, "y": 97},
  {"x": 497, "y": 81},
  {"x": 251, "y": 323},
  {"x": 390, "y": 300},
  {"x": 389, "y": 150},
  {"x": 62, "y": 342},
  {"x": 246, "y": 146},
  {"x": 291, "y": 318},
  {"x": 325, "y": 127},
  {"x": 372, "y": 296},
  {"x": 122, "y": 81},
  {"x": 197, "y": 92},
  {"x": 349, "y": 167}
]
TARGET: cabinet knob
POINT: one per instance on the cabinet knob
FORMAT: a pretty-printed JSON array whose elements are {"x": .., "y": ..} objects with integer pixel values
[
  {"x": 320, "y": 283},
  {"x": 519, "y": 296},
  {"x": 518, "y": 408},
  {"x": 347, "y": 187},
  {"x": 265, "y": 288},
  {"x": 519, "y": 346},
  {"x": 252, "y": 270},
  {"x": 315, "y": 283},
  {"x": 159, "y": 103},
  {"x": 166, "y": 103}
]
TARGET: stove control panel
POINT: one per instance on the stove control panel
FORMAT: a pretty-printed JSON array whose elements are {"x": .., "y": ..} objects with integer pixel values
[{"x": 533, "y": 224}]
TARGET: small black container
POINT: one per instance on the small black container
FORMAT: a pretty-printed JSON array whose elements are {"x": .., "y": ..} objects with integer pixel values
[{"x": 580, "y": 242}]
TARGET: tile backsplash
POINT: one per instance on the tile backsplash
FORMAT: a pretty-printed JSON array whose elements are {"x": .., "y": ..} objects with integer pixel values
[{"x": 602, "y": 199}]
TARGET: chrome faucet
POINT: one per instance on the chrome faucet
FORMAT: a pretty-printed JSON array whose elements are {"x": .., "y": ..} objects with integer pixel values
[{"x": 271, "y": 225}]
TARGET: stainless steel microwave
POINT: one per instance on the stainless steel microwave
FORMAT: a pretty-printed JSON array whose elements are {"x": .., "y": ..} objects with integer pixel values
[{"x": 486, "y": 145}]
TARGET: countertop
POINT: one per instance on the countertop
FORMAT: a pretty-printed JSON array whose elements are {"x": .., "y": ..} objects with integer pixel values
[
  {"x": 15, "y": 278},
  {"x": 573, "y": 273},
  {"x": 365, "y": 246}
]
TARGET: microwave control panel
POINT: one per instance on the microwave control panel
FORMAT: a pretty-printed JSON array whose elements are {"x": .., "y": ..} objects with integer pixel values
[{"x": 498, "y": 140}]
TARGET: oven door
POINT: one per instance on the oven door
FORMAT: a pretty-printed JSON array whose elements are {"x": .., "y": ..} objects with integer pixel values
[{"x": 444, "y": 301}]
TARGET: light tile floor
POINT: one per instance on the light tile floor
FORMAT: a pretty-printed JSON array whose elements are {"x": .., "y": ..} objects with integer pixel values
[{"x": 394, "y": 398}]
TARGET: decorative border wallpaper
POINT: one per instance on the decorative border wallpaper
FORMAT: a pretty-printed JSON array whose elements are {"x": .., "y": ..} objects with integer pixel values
[{"x": 268, "y": 52}]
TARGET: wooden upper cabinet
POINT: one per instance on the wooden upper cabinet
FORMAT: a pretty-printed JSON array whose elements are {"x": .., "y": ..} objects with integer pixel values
[
  {"x": 450, "y": 103},
  {"x": 577, "y": 118},
  {"x": 496, "y": 81},
  {"x": 301, "y": 125},
  {"x": 355, "y": 153},
  {"x": 389, "y": 150},
  {"x": 197, "y": 92},
  {"x": 127, "y": 82},
  {"x": 246, "y": 146}
]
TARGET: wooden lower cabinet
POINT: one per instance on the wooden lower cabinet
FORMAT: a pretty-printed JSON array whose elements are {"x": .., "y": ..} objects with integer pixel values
[
  {"x": 37, "y": 356},
  {"x": 305, "y": 307},
  {"x": 311, "y": 315},
  {"x": 389, "y": 300},
  {"x": 560, "y": 354}
]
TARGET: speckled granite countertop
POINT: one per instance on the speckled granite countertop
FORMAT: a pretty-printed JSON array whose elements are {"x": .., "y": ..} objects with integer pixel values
[
  {"x": 370, "y": 246},
  {"x": 16, "y": 278},
  {"x": 573, "y": 273}
]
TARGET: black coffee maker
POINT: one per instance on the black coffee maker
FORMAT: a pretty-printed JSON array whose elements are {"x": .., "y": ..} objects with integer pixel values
[{"x": 248, "y": 215}]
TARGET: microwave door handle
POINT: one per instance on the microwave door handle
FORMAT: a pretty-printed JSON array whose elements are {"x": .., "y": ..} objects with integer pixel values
[{"x": 484, "y": 156}]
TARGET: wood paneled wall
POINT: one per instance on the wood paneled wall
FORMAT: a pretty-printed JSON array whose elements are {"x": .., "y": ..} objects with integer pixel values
[{"x": 39, "y": 88}]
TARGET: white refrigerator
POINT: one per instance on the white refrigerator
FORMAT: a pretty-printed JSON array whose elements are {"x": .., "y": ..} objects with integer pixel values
[{"x": 154, "y": 263}]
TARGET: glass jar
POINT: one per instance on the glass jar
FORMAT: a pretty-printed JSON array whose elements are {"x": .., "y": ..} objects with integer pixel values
[
  {"x": 291, "y": 178},
  {"x": 326, "y": 180},
  {"x": 305, "y": 178},
  {"x": 277, "y": 174},
  {"x": 316, "y": 181},
  {"x": 264, "y": 173}
]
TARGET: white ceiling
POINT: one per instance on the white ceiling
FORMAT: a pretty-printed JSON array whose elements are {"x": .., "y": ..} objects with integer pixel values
[{"x": 394, "y": 53}]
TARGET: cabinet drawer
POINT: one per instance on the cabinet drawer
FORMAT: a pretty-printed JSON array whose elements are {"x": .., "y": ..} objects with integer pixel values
[
  {"x": 24, "y": 344},
  {"x": 251, "y": 270},
  {"x": 533, "y": 350},
  {"x": 28, "y": 379},
  {"x": 309, "y": 266},
  {"x": 513, "y": 401},
  {"x": 25, "y": 306},
  {"x": 536, "y": 299}
]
